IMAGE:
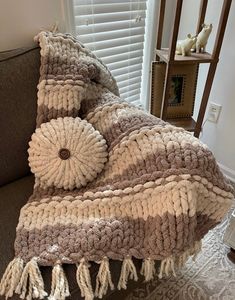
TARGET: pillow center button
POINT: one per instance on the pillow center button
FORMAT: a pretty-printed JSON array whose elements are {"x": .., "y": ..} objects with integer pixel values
[{"x": 64, "y": 153}]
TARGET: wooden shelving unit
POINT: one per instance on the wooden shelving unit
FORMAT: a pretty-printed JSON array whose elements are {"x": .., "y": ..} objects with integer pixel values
[
  {"x": 169, "y": 57},
  {"x": 179, "y": 59},
  {"x": 187, "y": 123}
]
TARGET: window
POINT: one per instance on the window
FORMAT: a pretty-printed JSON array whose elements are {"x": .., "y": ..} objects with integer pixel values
[{"x": 115, "y": 31}]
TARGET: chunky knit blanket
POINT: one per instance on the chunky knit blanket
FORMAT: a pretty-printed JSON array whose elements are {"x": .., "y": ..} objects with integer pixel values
[{"x": 111, "y": 182}]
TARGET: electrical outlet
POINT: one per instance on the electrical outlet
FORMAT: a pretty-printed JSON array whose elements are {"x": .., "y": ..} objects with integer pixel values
[{"x": 214, "y": 112}]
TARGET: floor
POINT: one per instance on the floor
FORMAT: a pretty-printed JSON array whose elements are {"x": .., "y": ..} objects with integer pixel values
[{"x": 210, "y": 277}]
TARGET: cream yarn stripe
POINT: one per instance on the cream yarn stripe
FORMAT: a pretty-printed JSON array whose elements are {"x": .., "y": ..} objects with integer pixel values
[{"x": 149, "y": 206}]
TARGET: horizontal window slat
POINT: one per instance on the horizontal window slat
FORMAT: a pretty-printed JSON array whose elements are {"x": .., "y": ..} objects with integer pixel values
[
  {"x": 121, "y": 64},
  {"x": 133, "y": 98},
  {"x": 129, "y": 88},
  {"x": 109, "y": 26},
  {"x": 91, "y": 38},
  {"x": 90, "y": 8},
  {"x": 129, "y": 82},
  {"x": 124, "y": 56},
  {"x": 133, "y": 92},
  {"x": 119, "y": 50},
  {"x": 128, "y": 75},
  {"x": 137, "y": 103},
  {"x": 100, "y": 45},
  {"x": 126, "y": 69},
  {"x": 109, "y": 17}
]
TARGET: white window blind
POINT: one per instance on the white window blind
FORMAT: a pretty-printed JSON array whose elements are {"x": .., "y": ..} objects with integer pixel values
[{"x": 114, "y": 30}]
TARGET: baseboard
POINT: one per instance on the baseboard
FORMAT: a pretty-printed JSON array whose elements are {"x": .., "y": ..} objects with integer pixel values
[{"x": 228, "y": 172}]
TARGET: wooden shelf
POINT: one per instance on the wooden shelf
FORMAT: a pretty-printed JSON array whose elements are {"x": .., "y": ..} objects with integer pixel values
[
  {"x": 187, "y": 123},
  {"x": 171, "y": 59},
  {"x": 197, "y": 58}
]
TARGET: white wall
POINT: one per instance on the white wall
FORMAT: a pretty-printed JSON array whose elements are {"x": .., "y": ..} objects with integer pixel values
[
  {"x": 219, "y": 137},
  {"x": 21, "y": 20}
]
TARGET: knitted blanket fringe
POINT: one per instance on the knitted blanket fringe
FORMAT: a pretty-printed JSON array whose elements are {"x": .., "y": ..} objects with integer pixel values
[
  {"x": 112, "y": 183},
  {"x": 26, "y": 279}
]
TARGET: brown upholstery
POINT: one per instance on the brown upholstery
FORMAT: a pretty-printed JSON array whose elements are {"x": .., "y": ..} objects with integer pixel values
[
  {"x": 19, "y": 74},
  {"x": 12, "y": 197}
]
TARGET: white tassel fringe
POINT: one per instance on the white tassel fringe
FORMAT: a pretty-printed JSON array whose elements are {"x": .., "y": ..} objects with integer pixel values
[
  {"x": 103, "y": 279},
  {"x": 59, "y": 284},
  {"x": 197, "y": 248},
  {"x": 128, "y": 271},
  {"x": 11, "y": 277},
  {"x": 148, "y": 269},
  {"x": 31, "y": 282},
  {"x": 168, "y": 264},
  {"x": 28, "y": 282},
  {"x": 84, "y": 280},
  {"x": 167, "y": 267}
]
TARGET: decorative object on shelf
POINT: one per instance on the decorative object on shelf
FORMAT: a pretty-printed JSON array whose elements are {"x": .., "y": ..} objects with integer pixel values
[
  {"x": 183, "y": 47},
  {"x": 202, "y": 38},
  {"x": 168, "y": 56},
  {"x": 182, "y": 90}
]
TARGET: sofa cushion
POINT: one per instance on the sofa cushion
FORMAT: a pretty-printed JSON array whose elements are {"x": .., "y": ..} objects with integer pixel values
[{"x": 19, "y": 75}]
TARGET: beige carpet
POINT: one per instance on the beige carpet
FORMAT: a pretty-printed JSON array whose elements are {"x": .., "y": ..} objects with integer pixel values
[{"x": 210, "y": 277}]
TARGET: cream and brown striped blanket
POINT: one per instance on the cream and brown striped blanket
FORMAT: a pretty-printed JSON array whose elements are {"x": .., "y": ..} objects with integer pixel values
[{"x": 111, "y": 182}]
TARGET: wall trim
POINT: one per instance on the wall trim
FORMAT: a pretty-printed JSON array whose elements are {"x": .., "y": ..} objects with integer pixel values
[{"x": 228, "y": 172}]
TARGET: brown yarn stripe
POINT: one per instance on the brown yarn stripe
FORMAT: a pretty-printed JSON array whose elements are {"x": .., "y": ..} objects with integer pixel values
[
  {"x": 105, "y": 99},
  {"x": 125, "y": 125},
  {"x": 156, "y": 237},
  {"x": 170, "y": 162},
  {"x": 74, "y": 65},
  {"x": 46, "y": 114},
  {"x": 115, "y": 133},
  {"x": 123, "y": 183}
]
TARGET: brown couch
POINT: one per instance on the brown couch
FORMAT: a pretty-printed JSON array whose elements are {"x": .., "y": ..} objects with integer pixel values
[{"x": 19, "y": 74}]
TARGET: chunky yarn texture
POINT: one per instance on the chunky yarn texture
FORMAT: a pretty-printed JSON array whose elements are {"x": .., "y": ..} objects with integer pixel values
[
  {"x": 67, "y": 153},
  {"x": 111, "y": 182}
]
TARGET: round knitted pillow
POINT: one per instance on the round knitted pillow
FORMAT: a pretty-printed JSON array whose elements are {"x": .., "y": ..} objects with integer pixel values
[{"x": 67, "y": 153}]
